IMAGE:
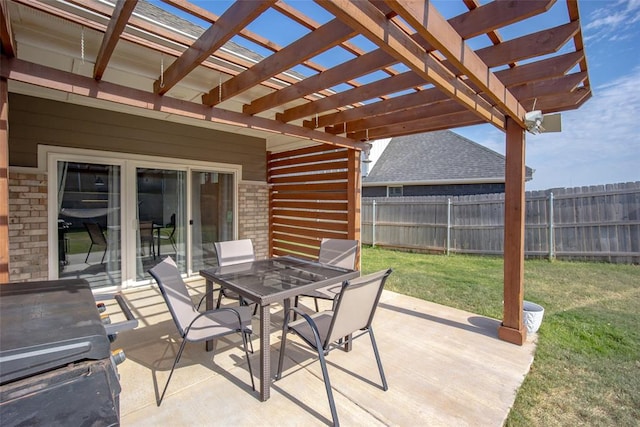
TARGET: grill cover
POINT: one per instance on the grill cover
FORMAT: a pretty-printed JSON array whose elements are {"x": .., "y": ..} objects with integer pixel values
[{"x": 46, "y": 325}]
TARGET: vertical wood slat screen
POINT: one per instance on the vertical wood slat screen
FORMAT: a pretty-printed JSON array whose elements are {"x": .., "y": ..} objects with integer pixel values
[{"x": 312, "y": 196}]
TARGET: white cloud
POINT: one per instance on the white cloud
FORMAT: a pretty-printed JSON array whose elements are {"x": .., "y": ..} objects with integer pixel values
[{"x": 612, "y": 20}]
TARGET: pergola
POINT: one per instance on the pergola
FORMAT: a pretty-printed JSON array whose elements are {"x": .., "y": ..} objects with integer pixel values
[{"x": 431, "y": 73}]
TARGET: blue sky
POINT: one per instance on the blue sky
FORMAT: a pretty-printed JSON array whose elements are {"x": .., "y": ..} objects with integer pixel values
[{"x": 600, "y": 142}]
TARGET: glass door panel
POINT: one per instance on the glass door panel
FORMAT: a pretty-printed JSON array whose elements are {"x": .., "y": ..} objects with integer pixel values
[
  {"x": 89, "y": 243},
  {"x": 161, "y": 218},
  {"x": 212, "y": 213}
]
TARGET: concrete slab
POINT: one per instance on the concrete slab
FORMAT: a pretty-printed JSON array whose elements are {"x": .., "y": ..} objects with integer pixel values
[{"x": 444, "y": 367}]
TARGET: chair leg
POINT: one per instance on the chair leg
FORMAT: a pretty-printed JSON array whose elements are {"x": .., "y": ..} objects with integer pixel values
[
  {"x": 315, "y": 300},
  {"x": 219, "y": 298},
  {"x": 246, "y": 354},
  {"x": 89, "y": 252},
  {"x": 327, "y": 385},
  {"x": 103, "y": 255},
  {"x": 375, "y": 351},
  {"x": 175, "y": 362}
]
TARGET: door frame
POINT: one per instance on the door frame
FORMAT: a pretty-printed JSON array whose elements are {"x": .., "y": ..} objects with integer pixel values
[{"x": 128, "y": 163}]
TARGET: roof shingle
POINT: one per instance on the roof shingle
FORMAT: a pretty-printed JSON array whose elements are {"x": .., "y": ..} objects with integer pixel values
[{"x": 437, "y": 156}]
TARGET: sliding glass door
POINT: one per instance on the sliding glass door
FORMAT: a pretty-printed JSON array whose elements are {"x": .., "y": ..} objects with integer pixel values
[
  {"x": 212, "y": 213},
  {"x": 88, "y": 219},
  {"x": 117, "y": 217},
  {"x": 160, "y": 218}
]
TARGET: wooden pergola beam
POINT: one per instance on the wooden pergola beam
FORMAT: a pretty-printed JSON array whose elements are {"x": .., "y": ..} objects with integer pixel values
[
  {"x": 428, "y": 22},
  {"x": 469, "y": 24},
  {"x": 378, "y": 108},
  {"x": 558, "y": 86},
  {"x": 428, "y": 124},
  {"x": 121, "y": 14},
  {"x": 540, "y": 70},
  {"x": 560, "y": 102},
  {"x": 494, "y": 15},
  {"x": 359, "y": 129},
  {"x": 39, "y": 75},
  {"x": 367, "y": 20},
  {"x": 235, "y": 18},
  {"x": 6, "y": 34},
  {"x": 535, "y": 71},
  {"x": 530, "y": 46},
  {"x": 318, "y": 41},
  {"x": 385, "y": 86},
  {"x": 367, "y": 127},
  {"x": 353, "y": 68}
]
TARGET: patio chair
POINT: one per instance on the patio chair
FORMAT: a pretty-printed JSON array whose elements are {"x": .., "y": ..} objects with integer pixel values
[
  {"x": 229, "y": 253},
  {"x": 326, "y": 330},
  {"x": 146, "y": 237},
  {"x": 193, "y": 325},
  {"x": 170, "y": 236},
  {"x": 338, "y": 252},
  {"x": 97, "y": 238}
]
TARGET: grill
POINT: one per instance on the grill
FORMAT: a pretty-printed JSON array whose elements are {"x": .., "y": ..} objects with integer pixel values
[{"x": 56, "y": 364}]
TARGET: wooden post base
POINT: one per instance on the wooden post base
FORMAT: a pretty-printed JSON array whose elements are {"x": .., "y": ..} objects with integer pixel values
[{"x": 514, "y": 336}]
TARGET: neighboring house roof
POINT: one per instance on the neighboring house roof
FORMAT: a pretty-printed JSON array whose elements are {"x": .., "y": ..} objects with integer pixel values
[{"x": 441, "y": 157}]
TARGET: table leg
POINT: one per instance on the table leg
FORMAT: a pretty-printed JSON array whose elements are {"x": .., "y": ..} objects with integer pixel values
[
  {"x": 209, "y": 306},
  {"x": 265, "y": 349}
]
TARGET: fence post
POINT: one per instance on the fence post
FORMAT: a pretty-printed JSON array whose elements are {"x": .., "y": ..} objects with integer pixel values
[
  {"x": 373, "y": 224},
  {"x": 448, "y": 225},
  {"x": 552, "y": 242}
]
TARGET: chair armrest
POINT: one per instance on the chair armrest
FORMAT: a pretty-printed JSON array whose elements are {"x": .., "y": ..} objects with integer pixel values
[
  {"x": 205, "y": 295},
  {"x": 204, "y": 313},
  {"x": 310, "y": 322}
]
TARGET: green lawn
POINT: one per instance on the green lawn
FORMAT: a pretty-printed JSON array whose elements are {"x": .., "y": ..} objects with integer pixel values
[{"x": 587, "y": 365}]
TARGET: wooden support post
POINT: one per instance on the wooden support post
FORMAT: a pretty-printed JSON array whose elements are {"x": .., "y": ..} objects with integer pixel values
[
  {"x": 4, "y": 181},
  {"x": 354, "y": 198},
  {"x": 512, "y": 328}
]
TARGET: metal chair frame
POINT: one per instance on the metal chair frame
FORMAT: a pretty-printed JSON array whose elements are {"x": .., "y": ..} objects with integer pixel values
[
  {"x": 157, "y": 273},
  {"x": 337, "y": 334}
]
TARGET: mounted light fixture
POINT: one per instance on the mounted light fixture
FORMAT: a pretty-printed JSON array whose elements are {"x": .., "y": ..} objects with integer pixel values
[{"x": 537, "y": 122}]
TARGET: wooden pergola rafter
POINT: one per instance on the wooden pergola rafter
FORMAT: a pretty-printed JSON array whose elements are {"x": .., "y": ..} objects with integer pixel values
[
  {"x": 422, "y": 74},
  {"x": 434, "y": 50}
]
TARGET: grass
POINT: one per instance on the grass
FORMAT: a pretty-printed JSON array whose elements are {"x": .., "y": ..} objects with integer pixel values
[{"x": 587, "y": 364}]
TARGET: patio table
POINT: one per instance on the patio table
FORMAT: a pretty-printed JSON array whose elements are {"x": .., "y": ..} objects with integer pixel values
[{"x": 269, "y": 281}]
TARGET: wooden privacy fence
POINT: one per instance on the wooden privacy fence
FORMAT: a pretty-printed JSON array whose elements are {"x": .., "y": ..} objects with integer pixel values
[{"x": 589, "y": 223}]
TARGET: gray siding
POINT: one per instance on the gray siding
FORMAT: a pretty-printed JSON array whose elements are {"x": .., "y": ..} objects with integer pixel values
[
  {"x": 437, "y": 190},
  {"x": 34, "y": 121}
]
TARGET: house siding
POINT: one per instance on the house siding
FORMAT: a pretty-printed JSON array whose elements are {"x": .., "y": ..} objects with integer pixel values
[
  {"x": 437, "y": 190},
  {"x": 34, "y": 121}
]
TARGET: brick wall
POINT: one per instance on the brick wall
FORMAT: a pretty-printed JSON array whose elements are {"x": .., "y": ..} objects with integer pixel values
[
  {"x": 253, "y": 215},
  {"x": 28, "y": 249}
]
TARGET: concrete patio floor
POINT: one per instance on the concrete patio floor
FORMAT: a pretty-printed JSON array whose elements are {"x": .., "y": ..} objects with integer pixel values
[{"x": 445, "y": 367}]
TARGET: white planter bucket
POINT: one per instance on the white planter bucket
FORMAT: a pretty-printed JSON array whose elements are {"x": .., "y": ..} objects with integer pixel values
[{"x": 532, "y": 316}]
